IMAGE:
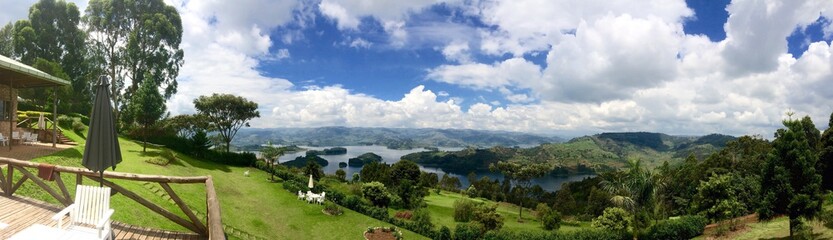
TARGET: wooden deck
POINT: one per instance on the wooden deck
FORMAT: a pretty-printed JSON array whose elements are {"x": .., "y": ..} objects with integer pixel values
[{"x": 20, "y": 213}]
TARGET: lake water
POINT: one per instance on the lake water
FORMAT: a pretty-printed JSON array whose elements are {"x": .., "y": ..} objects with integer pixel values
[{"x": 390, "y": 156}]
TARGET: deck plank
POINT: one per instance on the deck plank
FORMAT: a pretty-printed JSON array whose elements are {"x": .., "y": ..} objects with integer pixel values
[{"x": 21, "y": 213}]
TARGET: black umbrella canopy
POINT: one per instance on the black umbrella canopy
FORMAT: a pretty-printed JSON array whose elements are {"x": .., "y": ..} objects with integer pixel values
[{"x": 102, "y": 150}]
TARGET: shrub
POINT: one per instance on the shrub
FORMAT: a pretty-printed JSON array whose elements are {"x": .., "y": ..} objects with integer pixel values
[
  {"x": 423, "y": 219},
  {"x": 352, "y": 202},
  {"x": 464, "y": 210},
  {"x": 293, "y": 186},
  {"x": 542, "y": 210},
  {"x": 468, "y": 231},
  {"x": 158, "y": 161},
  {"x": 488, "y": 217},
  {"x": 376, "y": 193},
  {"x": 614, "y": 219},
  {"x": 243, "y": 159},
  {"x": 403, "y": 215},
  {"x": 332, "y": 208},
  {"x": 685, "y": 227},
  {"x": 65, "y": 121},
  {"x": 551, "y": 220},
  {"x": 443, "y": 234},
  {"x": 168, "y": 155},
  {"x": 77, "y": 126},
  {"x": 582, "y": 234}
]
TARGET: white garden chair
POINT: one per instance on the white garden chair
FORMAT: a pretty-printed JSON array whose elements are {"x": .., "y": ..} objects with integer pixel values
[
  {"x": 91, "y": 208},
  {"x": 321, "y": 198},
  {"x": 301, "y": 195},
  {"x": 16, "y": 136},
  {"x": 33, "y": 138},
  {"x": 25, "y": 137},
  {"x": 3, "y": 140}
]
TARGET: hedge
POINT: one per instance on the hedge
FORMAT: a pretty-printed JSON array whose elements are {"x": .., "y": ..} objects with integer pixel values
[
  {"x": 583, "y": 234},
  {"x": 685, "y": 227}
]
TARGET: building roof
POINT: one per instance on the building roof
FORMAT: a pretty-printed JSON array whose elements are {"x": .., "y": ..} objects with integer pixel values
[{"x": 24, "y": 76}]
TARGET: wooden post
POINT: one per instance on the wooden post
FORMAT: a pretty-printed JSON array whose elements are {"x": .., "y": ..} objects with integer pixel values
[
  {"x": 9, "y": 179},
  {"x": 215, "y": 223},
  {"x": 54, "y": 116},
  {"x": 12, "y": 114}
]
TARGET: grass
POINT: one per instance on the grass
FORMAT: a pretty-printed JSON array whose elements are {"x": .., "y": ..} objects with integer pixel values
[
  {"x": 441, "y": 207},
  {"x": 778, "y": 228},
  {"x": 250, "y": 205}
]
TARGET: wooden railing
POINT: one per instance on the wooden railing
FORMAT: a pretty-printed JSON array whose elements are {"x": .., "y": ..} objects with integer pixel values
[{"x": 213, "y": 230}]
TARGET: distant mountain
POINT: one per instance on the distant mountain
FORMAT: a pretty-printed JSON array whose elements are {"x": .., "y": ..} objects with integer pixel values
[
  {"x": 395, "y": 138},
  {"x": 600, "y": 152}
]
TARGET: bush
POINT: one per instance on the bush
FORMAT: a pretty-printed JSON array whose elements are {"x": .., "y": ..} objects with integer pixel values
[
  {"x": 158, "y": 161},
  {"x": 468, "y": 231},
  {"x": 332, "y": 208},
  {"x": 352, "y": 202},
  {"x": 243, "y": 159},
  {"x": 443, "y": 234},
  {"x": 551, "y": 220},
  {"x": 423, "y": 219},
  {"x": 488, "y": 217},
  {"x": 464, "y": 210},
  {"x": 614, "y": 219},
  {"x": 542, "y": 210},
  {"x": 65, "y": 121},
  {"x": 685, "y": 227},
  {"x": 582, "y": 234},
  {"x": 77, "y": 126},
  {"x": 168, "y": 155},
  {"x": 376, "y": 193},
  {"x": 293, "y": 186}
]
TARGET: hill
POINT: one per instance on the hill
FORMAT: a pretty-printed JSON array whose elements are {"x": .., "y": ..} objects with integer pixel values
[
  {"x": 601, "y": 152},
  {"x": 394, "y": 138}
]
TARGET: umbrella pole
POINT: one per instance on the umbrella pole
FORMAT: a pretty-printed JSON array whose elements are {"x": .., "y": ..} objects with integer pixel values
[{"x": 101, "y": 179}]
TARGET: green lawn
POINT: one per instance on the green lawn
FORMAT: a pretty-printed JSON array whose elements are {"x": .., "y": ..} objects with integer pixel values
[
  {"x": 441, "y": 207},
  {"x": 778, "y": 228},
  {"x": 250, "y": 205}
]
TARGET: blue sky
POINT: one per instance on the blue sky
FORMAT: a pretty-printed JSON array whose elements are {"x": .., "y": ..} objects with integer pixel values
[{"x": 542, "y": 66}]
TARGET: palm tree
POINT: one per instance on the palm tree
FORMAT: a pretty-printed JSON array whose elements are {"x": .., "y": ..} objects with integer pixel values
[{"x": 634, "y": 190}]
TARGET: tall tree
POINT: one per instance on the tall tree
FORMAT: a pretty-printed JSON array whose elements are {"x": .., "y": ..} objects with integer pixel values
[
  {"x": 521, "y": 174},
  {"x": 51, "y": 32},
  {"x": 131, "y": 38},
  {"x": 7, "y": 40},
  {"x": 147, "y": 106},
  {"x": 790, "y": 183},
  {"x": 634, "y": 190},
  {"x": 825, "y": 163},
  {"x": 226, "y": 114}
]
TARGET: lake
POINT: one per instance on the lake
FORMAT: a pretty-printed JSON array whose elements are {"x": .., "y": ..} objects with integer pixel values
[{"x": 390, "y": 156}]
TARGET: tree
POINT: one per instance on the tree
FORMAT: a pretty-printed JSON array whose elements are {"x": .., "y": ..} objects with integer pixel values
[
  {"x": 312, "y": 168},
  {"x": 377, "y": 193},
  {"x": 450, "y": 183},
  {"x": 404, "y": 170},
  {"x": 790, "y": 183},
  {"x": 341, "y": 174},
  {"x": 375, "y": 172},
  {"x": 614, "y": 219},
  {"x": 564, "y": 201},
  {"x": 825, "y": 163},
  {"x": 147, "y": 106},
  {"x": 129, "y": 38},
  {"x": 271, "y": 154},
  {"x": 226, "y": 114},
  {"x": 717, "y": 199},
  {"x": 51, "y": 33},
  {"x": 522, "y": 174},
  {"x": 7, "y": 40},
  {"x": 635, "y": 191}
]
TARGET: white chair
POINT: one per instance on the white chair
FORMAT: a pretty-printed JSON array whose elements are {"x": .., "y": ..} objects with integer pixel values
[
  {"x": 321, "y": 198},
  {"x": 33, "y": 138},
  {"x": 301, "y": 195},
  {"x": 3, "y": 140},
  {"x": 24, "y": 137},
  {"x": 16, "y": 136},
  {"x": 91, "y": 208}
]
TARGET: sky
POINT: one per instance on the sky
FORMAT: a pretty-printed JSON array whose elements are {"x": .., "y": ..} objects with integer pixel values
[{"x": 552, "y": 67}]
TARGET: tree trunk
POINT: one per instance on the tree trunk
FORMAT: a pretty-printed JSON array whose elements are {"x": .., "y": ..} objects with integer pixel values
[
  {"x": 228, "y": 145},
  {"x": 145, "y": 139}
]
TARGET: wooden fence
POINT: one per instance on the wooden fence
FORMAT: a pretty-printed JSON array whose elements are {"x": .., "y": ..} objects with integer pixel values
[{"x": 213, "y": 229}]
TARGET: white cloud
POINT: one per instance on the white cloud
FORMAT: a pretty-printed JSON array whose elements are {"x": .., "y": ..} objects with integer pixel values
[
  {"x": 457, "y": 51},
  {"x": 360, "y": 43}
]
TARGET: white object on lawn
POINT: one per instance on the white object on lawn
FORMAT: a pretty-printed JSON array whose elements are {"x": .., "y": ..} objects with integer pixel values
[
  {"x": 321, "y": 198},
  {"x": 91, "y": 207},
  {"x": 246, "y": 173},
  {"x": 301, "y": 195}
]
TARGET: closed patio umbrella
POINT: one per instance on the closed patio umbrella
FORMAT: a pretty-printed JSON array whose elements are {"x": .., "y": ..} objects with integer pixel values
[
  {"x": 102, "y": 150},
  {"x": 41, "y": 122},
  {"x": 310, "y": 182}
]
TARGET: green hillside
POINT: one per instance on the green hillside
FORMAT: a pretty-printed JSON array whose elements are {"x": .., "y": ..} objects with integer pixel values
[{"x": 601, "y": 152}]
